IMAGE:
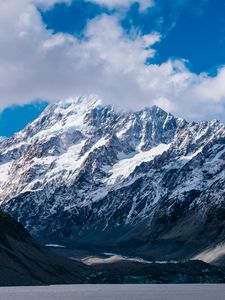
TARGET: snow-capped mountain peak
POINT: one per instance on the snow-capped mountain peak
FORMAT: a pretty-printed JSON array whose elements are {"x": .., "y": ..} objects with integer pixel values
[
  {"x": 83, "y": 166},
  {"x": 56, "y": 146}
]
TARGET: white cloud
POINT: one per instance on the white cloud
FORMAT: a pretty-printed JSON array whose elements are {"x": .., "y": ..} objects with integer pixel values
[
  {"x": 212, "y": 88},
  {"x": 144, "y": 4},
  {"x": 49, "y": 3},
  {"x": 35, "y": 63}
]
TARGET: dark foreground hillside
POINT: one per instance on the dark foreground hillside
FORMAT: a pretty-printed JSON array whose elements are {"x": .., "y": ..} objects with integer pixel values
[{"x": 24, "y": 262}]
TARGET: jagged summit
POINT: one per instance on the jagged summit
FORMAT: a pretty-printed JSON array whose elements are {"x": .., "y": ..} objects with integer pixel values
[
  {"x": 61, "y": 141},
  {"x": 84, "y": 171}
]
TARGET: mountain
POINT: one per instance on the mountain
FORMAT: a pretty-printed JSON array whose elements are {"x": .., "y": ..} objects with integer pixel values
[
  {"x": 24, "y": 262},
  {"x": 143, "y": 183}
]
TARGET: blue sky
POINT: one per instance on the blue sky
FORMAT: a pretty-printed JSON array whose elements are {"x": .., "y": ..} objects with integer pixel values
[
  {"x": 16, "y": 117},
  {"x": 192, "y": 30},
  {"x": 173, "y": 54}
]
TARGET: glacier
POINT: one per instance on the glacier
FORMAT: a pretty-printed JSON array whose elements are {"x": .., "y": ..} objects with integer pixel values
[{"x": 143, "y": 182}]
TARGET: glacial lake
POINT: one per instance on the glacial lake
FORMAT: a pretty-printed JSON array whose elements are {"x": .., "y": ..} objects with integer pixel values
[{"x": 116, "y": 292}]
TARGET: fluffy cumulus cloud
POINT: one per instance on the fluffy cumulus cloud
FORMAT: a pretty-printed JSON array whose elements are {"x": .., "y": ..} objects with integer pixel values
[{"x": 35, "y": 63}]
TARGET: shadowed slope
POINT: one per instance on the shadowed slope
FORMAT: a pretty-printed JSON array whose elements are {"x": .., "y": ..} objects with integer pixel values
[{"x": 24, "y": 262}]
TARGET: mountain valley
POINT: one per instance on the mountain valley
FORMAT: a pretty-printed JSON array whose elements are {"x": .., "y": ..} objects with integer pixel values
[{"x": 147, "y": 184}]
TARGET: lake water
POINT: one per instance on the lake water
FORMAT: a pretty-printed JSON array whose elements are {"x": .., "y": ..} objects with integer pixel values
[{"x": 116, "y": 292}]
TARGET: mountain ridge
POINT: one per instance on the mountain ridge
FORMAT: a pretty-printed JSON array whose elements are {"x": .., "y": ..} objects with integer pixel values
[{"x": 86, "y": 174}]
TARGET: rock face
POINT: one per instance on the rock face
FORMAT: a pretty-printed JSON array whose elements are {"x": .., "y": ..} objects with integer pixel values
[
  {"x": 144, "y": 182},
  {"x": 24, "y": 262}
]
